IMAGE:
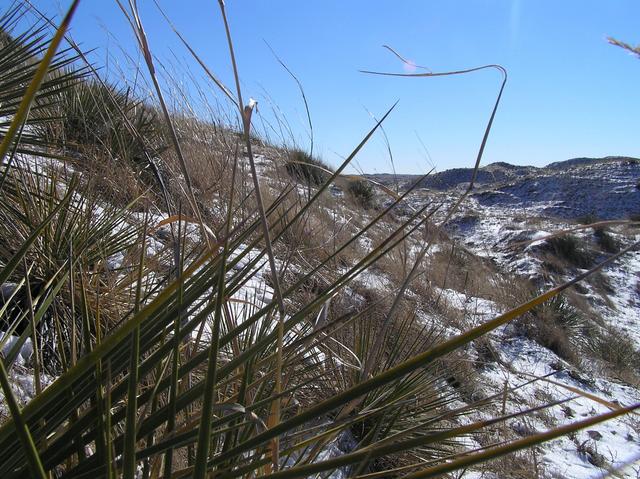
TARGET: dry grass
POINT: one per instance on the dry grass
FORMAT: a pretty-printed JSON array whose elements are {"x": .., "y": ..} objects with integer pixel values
[
  {"x": 620, "y": 354},
  {"x": 306, "y": 169},
  {"x": 354, "y": 357},
  {"x": 569, "y": 250}
]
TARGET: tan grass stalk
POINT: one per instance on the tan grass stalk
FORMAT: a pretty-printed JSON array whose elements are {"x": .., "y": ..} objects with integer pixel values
[
  {"x": 141, "y": 36},
  {"x": 245, "y": 113}
]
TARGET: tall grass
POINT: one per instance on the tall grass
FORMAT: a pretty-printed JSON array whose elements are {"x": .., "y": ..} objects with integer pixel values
[{"x": 185, "y": 368}]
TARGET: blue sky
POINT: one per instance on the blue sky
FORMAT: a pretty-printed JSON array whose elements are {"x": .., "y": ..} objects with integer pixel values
[{"x": 569, "y": 93}]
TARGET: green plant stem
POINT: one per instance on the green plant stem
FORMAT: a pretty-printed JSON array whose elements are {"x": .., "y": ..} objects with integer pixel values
[{"x": 30, "y": 450}]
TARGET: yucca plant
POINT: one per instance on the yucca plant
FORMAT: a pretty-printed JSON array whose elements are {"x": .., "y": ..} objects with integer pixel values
[
  {"x": 561, "y": 328},
  {"x": 362, "y": 193},
  {"x": 210, "y": 372},
  {"x": 307, "y": 169},
  {"x": 92, "y": 115},
  {"x": 19, "y": 60},
  {"x": 81, "y": 241}
]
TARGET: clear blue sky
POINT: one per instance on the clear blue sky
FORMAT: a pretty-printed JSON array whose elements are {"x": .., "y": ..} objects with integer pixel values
[{"x": 569, "y": 93}]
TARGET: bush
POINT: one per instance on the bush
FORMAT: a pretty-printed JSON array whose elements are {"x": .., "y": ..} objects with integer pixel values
[
  {"x": 362, "y": 192},
  {"x": 561, "y": 328},
  {"x": 618, "y": 350},
  {"x": 113, "y": 133},
  {"x": 568, "y": 247},
  {"x": 94, "y": 115},
  {"x": 606, "y": 242},
  {"x": 588, "y": 219},
  {"x": 303, "y": 167}
]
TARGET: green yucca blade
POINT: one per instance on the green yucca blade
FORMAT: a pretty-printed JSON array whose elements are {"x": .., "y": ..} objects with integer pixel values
[
  {"x": 34, "y": 86},
  {"x": 193, "y": 393},
  {"x": 527, "y": 442},
  {"x": 175, "y": 358},
  {"x": 53, "y": 287},
  {"x": 204, "y": 439},
  {"x": 19, "y": 255},
  {"x": 107, "y": 345},
  {"x": 408, "y": 366},
  {"x": 22, "y": 430},
  {"x": 129, "y": 468},
  {"x": 192, "y": 396},
  {"x": 384, "y": 448}
]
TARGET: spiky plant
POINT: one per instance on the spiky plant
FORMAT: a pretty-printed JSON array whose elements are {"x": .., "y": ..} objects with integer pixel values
[
  {"x": 92, "y": 115},
  {"x": 306, "y": 169},
  {"x": 208, "y": 374},
  {"x": 19, "y": 61},
  {"x": 362, "y": 192},
  {"x": 77, "y": 246}
]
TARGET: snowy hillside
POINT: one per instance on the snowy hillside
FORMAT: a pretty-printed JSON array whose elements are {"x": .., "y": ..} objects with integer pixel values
[{"x": 505, "y": 222}]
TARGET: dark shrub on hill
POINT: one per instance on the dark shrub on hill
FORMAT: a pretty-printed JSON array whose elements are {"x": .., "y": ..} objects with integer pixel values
[
  {"x": 619, "y": 351},
  {"x": 362, "y": 193},
  {"x": 92, "y": 114},
  {"x": 561, "y": 328},
  {"x": 568, "y": 248},
  {"x": 303, "y": 167},
  {"x": 606, "y": 242}
]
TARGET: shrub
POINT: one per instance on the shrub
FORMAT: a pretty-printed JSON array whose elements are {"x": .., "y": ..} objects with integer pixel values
[
  {"x": 95, "y": 114},
  {"x": 19, "y": 59},
  {"x": 561, "y": 328},
  {"x": 107, "y": 130},
  {"x": 618, "y": 351},
  {"x": 362, "y": 192},
  {"x": 588, "y": 219},
  {"x": 606, "y": 242},
  {"x": 567, "y": 247},
  {"x": 303, "y": 167}
]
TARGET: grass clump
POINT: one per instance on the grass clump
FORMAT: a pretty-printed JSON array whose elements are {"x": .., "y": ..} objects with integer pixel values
[
  {"x": 606, "y": 241},
  {"x": 94, "y": 114},
  {"x": 307, "y": 169},
  {"x": 362, "y": 193},
  {"x": 561, "y": 328},
  {"x": 588, "y": 219},
  {"x": 619, "y": 351},
  {"x": 602, "y": 234},
  {"x": 568, "y": 248},
  {"x": 112, "y": 136}
]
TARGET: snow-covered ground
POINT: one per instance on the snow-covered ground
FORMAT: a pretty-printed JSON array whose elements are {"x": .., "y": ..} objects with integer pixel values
[
  {"x": 495, "y": 224},
  {"x": 506, "y": 225}
]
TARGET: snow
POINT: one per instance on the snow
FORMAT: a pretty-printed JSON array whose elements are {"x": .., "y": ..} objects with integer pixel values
[
  {"x": 491, "y": 223},
  {"x": 21, "y": 374},
  {"x": 478, "y": 308},
  {"x": 373, "y": 279},
  {"x": 624, "y": 277},
  {"x": 7, "y": 343},
  {"x": 616, "y": 440}
]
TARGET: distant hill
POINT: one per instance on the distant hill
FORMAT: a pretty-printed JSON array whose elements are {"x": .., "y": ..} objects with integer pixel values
[
  {"x": 606, "y": 187},
  {"x": 559, "y": 165},
  {"x": 494, "y": 173}
]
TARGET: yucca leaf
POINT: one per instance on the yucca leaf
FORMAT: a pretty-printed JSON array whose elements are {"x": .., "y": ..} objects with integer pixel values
[
  {"x": 34, "y": 86},
  {"x": 30, "y": 450}
]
